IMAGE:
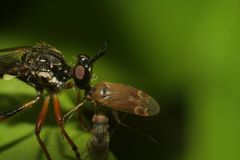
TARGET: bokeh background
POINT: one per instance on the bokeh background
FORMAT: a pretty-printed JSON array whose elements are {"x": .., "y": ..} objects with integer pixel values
[{"x": 185, "y": 54}]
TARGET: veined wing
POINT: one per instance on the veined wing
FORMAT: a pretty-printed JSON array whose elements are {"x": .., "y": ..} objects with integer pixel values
[
  {"x": 124, "y": 98},
  {"x": 9, "y": 58}
]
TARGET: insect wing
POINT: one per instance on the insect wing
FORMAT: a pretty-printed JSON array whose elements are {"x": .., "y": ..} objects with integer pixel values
[
  {"x": 10, "y": 57},
  {"x": 124, "y": 98}
]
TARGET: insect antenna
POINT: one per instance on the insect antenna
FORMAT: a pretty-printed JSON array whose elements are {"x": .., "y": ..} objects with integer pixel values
[
  {"x": 117, "y": 119},
  {"x": 100, "y": 52}
]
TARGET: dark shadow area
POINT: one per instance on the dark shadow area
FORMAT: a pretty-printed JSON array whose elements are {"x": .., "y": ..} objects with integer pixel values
[
  {"x": 9, "y": 9},
  {"x": 86, "y": 20},
  {"x": 166, "y": 128}
]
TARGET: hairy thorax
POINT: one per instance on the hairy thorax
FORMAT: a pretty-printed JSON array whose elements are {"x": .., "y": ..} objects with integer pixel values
[{"x": 46, "y": 68}]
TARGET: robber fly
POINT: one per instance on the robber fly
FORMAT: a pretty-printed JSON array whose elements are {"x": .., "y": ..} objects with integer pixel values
[
  {"x": 98, "y": 143},
  {"x": 43, "y": 67}
]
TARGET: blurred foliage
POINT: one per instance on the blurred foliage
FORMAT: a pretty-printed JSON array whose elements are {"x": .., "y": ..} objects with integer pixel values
[{"x": 183, "y": 53}]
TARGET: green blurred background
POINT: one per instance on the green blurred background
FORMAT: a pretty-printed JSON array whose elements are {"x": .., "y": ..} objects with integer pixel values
[{"x": 185, "y": 54}]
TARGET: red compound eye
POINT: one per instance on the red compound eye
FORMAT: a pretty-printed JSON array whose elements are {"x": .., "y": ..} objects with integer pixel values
[{"x": 79, "y": 72}]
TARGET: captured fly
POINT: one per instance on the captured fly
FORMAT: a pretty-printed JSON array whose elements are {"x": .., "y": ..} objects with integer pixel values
[
  {"x": 123, "y": 98},
  {"x": 44, "y": 67},
  {"x": 98, "y": 145},
  {"x": 120, "y": 97}
]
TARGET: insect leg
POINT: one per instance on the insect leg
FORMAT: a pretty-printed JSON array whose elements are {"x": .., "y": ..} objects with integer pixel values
[
  {"x": 58, "y": 116},
  {"x": 65, "y": 117},
  {"x": 39, "y": 124},
  {"x": 84, "y": 122},
  {"x": 117, "y": 119},
  {"x": 28, "y": 105}
]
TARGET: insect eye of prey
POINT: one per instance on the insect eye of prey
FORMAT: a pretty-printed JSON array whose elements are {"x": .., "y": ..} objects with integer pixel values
[{"x": 103, "y": 91}]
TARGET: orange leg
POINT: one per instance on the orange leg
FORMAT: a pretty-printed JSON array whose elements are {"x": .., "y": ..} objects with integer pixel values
[
  {"x": 59, "y": 120},
  {"x": 39, "y": 124}
]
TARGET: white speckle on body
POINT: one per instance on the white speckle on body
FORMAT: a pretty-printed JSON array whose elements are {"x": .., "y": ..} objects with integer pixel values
[
  {"x": 51, "y": 64},
  {"x": 55, "y": 81},
  {"x": 42, "y": 60},
  {"x": 47, "y": 75}
]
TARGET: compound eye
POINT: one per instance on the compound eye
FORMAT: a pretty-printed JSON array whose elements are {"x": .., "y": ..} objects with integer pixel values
[
  {"x": 79, "y": 72},
  {"x": 104, "y": 91}
]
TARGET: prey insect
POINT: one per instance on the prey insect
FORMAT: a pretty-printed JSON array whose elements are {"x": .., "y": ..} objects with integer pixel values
[
  {"x": 44, "y": 67},
  {"x": 120, "y": 97},
  {"x": 98, "y": 144}
]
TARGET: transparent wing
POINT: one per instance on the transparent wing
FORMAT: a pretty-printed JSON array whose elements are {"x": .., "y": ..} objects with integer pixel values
[{"x": 9, "y": 57}]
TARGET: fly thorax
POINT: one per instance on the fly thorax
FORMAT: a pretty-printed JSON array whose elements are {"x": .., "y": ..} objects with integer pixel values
[{"x": 47, "y": 71}]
